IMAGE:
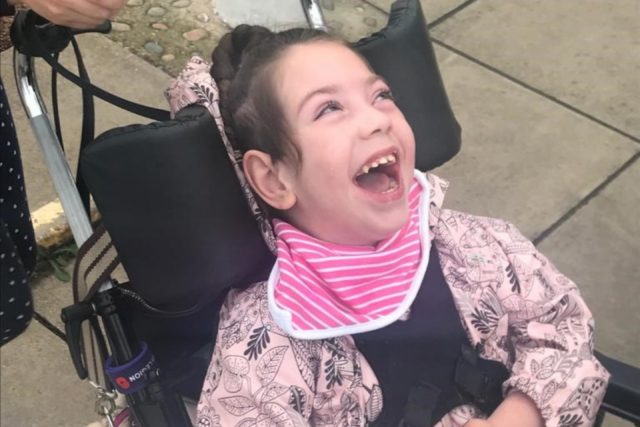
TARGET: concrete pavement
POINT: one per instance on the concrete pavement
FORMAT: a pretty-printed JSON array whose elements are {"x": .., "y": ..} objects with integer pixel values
[{"x": 548, "y": 96}]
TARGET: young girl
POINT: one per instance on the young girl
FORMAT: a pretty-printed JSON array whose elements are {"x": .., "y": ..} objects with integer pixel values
[{"x": 382, "y": 307}]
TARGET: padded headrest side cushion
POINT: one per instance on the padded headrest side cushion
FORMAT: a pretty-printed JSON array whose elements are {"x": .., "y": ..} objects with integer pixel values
[
  {"x": 175, "y": 210},
  {"x": 403, "y": 54}
]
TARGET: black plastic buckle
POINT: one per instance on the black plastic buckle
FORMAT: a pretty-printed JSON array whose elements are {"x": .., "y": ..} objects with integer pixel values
[
  {"x": 481, "y": 379},
  {"x": 469, "y": 378},
  {"x": 421, "y": 401}
]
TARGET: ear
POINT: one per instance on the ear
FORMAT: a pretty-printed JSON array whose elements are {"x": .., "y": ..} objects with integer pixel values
[{"x": 269, "y": 180}]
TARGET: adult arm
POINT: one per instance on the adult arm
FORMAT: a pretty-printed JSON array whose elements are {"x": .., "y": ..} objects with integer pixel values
[{"x": 81, "y": 14}]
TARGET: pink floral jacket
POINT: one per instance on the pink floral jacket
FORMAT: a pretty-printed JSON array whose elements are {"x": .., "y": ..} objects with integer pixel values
[{"x": 513, "y": 303}]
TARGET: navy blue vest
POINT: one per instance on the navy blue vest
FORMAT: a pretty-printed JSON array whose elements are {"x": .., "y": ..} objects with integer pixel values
[{"x": 425, "y": 365}]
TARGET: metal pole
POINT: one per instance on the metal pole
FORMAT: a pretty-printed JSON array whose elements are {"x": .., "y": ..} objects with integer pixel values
[
  {"x": 313, "y": 12},
  {"x": 53, "y": 155},
  {"x": 25, "y": 74}
]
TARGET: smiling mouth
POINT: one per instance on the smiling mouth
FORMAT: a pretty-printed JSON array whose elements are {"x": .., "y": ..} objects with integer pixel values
[{"x": 379, "y": 175}]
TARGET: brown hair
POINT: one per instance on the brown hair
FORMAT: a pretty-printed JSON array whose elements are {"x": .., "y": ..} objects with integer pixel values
[{"x": 243, "y": 67}]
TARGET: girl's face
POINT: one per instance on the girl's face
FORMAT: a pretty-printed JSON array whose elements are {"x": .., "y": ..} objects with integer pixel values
[{"x": 357, "y": 149}]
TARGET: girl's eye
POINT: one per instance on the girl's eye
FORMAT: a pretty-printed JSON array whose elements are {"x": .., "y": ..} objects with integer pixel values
[
  {"x": 328, "y": 108},
  {"x": 384, "y": 95}
]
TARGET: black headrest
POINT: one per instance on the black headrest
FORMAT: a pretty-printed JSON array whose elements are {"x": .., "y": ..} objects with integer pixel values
[
  {"x": 171, "y": 201},
  {"x": 403, "y": 54},
  {"x": 174, "y": 209}
]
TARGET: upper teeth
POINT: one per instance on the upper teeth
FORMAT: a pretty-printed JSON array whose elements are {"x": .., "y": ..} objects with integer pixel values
[{"x": 389, "y": 159}]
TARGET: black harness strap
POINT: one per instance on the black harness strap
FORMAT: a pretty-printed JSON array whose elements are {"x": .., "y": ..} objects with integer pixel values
[
  {"x": 88, "y": 125},
  {"x": 88, "y": 109},
  {"x": 139, "y": 109}
]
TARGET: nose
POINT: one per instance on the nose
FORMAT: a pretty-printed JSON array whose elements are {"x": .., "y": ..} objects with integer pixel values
[{"x": 373, "y": 121}]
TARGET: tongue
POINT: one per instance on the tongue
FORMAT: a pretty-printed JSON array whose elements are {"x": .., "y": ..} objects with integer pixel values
[{"x": 374, "y": 181}]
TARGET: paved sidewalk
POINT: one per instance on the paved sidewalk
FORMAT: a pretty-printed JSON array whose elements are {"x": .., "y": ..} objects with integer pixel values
[{"x": 548, "y": 96}]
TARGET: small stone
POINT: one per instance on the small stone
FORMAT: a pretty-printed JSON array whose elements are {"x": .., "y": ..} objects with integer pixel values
[
  {"x": 360, "y": 9},
  {"x": 203, "y": 17},
  {"x": 153, "y": 47},
  {"x": 156, "y": 11},
  {"x": 372, "y": 22},
  {"x": 135, "y": 3},
  {"x": 195, "y": 34},
  {"x": 120, "y": 27},
  {"x": 168, "y": 57},
  {"x": 181, "y": 3},
  {"x": 159, "y": 26}
]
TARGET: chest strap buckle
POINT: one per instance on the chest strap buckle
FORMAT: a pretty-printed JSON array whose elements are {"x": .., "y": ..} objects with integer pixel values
[
  {"x": 481, "y": 379},
  {"x": 421, "y": 401}
]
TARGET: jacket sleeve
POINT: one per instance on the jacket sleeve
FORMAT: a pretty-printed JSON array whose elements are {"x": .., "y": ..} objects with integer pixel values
[
  {"x": 250, "y": 380},
  {"x": 260, "y": 376},
  {"x": 550, "y": 336}
]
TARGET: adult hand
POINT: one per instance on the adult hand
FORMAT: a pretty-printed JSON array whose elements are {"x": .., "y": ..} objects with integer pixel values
[{"x": 81, "y": 14}]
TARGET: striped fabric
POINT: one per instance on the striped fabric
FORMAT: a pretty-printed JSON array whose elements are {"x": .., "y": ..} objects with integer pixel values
[{"x": 328, "y": 287}]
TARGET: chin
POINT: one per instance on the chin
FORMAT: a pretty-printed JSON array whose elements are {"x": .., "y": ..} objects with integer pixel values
[{"x": 391, "y": 226}]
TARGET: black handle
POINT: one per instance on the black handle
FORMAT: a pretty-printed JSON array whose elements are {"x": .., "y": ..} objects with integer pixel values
[
  {"x": 73, "y": 316},
  {"x": 33, "y": 35}
]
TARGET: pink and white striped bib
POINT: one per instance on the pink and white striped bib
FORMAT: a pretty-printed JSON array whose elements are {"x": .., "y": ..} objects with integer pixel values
[{"x": 320, "y": 290}]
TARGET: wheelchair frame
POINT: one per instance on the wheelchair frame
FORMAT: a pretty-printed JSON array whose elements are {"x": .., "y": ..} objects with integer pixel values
[{"x": 154, "y": 405}]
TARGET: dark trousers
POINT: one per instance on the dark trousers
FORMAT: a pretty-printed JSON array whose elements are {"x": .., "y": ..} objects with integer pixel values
[{"x": 17, "y": 241}]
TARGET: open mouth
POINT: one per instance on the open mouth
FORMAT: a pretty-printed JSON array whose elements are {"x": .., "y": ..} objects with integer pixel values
[{"x": 380, "y": 175}]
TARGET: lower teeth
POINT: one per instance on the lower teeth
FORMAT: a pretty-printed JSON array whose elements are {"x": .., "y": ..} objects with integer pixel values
[{"x": 393, "y": 184}]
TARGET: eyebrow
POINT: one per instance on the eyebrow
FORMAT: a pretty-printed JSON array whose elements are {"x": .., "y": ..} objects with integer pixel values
[{"x": 333, "y": 89}]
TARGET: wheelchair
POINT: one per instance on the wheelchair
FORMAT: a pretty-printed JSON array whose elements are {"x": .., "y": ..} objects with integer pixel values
[{"x": 169, "y": 197}]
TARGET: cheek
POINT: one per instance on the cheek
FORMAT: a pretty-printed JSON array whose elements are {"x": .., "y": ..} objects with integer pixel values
[{"x": 408, "y": 139}]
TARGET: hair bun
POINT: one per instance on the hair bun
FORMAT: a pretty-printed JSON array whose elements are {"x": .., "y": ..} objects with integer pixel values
[{"x": 227, "y": 56}]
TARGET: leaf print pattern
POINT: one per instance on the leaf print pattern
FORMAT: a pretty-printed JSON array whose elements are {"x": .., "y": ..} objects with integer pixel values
[
  {"x": 582, "y": 398},
  {"x": 513, "y": 279},
  {"x": 298, "y": 399},
  {"x": 332, "y": 371},
  {"x": 204, "y": 93},
  {"x": 484, "y": 321},
  {"x": 238, "y": 329},
  {"x": 237, "y": 405},
  {"x": 247, "y": 422},
  {"x": 543, "y": 370},
  {"x": 350, "y": 413},
  {"x": 486, "y": 315},
  {"x": 214, "y": 373},
  {"x": 270, "y": 391},
  {"x": 571, "y": 420},
  {"x": 257, "y": 342},
  {"x": 307, "y": 355},
  {"x": 235, "y": 368},
  {"x": 373, "y": 408},
  {"x": 270, "y": 364}
]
